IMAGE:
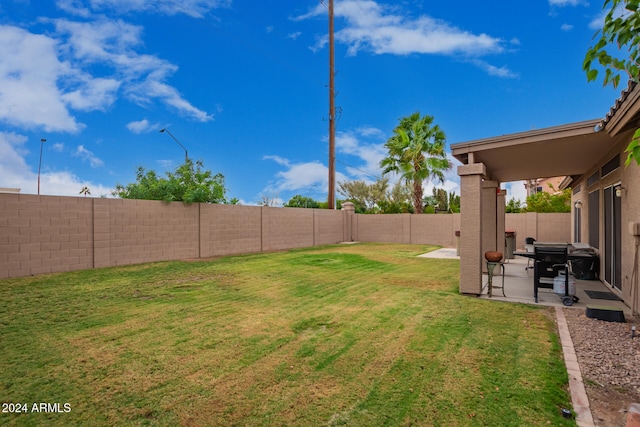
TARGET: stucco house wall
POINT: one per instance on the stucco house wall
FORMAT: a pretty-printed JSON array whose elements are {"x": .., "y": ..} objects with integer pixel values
[
  {"x": 590, "y": 155},
  {"x": 628, "y": 178}
]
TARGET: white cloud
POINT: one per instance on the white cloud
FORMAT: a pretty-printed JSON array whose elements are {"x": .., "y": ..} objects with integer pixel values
[
  {"x": 30, "y": 95},
  {"x": 140, "y": 126},
  {"x": 74, "y": 7},
  {"x": 492, "y": 70},
  {"x": 15, "y": 173},
  {"x": 369, "y": 154},
  {"x": 277, "y": 159},
  {"x": 376, "y": 28},
  {"x": 373, "y": 27},
  {"x": 598, "y": 21},
  {"x": 300, "y": 176},
  {"x": 369, "y": 131},
  {"x": 516, "y": 190},
  {"x": 66, "y": 76},
  {"x": 112, "y": 43},
  {"x": 193, "y": 8},
  {"x": 566, "y": 27},
  {"x": 93, "y": 94},
  {"x": 294, "y": 36},
  {"x": 307, "y": 177},
  {"x": 562, "y": 3},
  {"x": 87, "y": 155}
]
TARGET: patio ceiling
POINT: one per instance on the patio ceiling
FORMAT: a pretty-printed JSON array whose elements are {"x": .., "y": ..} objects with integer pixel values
[{"x": 567, "y": 150}]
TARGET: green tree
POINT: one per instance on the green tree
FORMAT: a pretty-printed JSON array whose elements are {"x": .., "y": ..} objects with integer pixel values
[
  {"x": 454, "y": 203},
  {"x": 513, "y": 206},
  {"x": 189, "y": 183},
  {"x": 442, "y": 199},
  {"x": 416, "y": 151},
  {"x": 365, "y": 197},
  {"x": 617, "y": 51},
  {"x": 299, "y": 201},
  {"x": 429, "y": 204},
  {"x": 547, "y": 202},
  {"x": 398, "y": 200},
  {"x": 325, "y": 205},
  {"x": 268, "y": 200}
]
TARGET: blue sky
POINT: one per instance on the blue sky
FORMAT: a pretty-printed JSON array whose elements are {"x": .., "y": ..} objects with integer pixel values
[{"x": 243, "y": 85}]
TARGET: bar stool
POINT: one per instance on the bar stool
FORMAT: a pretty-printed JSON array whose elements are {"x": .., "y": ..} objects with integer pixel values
[{"x": 491, "y": 272}]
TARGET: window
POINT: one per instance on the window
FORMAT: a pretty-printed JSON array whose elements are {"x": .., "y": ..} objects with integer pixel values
[
  {"x": 577, "y": 222},
  {"x": 611, "y": 165},
  {"x": 594, "y": 219}
]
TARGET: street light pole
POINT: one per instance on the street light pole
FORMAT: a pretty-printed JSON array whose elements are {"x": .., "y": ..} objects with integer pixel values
[
  {"x": 186, "y": 155},
  {"x": 42, "y": 141}
]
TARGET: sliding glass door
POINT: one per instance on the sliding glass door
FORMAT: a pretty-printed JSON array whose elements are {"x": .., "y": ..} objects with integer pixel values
[{"x": 612, "y": 238}]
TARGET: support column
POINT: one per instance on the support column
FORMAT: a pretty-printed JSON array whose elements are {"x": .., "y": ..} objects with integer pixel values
[
  {"x": 489, "y": 219},
  {"x": 349, "y": 210},
  {"x": 501, "y": 219},
  {"x": 471, "y": 255}
]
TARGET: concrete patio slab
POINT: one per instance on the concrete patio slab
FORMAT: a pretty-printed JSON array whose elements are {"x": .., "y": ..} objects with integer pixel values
[
  {"x": 518, "y": 284},
  {"x": 443, "y": 253}
]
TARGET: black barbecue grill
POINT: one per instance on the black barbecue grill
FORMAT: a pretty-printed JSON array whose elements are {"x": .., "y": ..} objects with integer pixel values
[{"x": 550, "y": 261}]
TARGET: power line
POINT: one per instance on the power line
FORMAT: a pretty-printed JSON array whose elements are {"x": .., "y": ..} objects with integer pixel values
[{"x": 360, "y": 170}]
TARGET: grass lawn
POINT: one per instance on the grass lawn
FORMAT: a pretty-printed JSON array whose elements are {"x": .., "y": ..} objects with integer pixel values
[{"x": 354, "y": 335}]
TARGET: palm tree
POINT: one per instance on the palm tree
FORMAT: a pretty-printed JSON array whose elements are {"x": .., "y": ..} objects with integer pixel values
[
  {"x": 416, "y": 152},
  {"x": 85, "y": 191}
]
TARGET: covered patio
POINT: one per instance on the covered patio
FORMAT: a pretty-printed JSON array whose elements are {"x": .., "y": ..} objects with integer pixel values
[
  {"x": 518, "y": 286},
  {"x": 568, "y": 150}
]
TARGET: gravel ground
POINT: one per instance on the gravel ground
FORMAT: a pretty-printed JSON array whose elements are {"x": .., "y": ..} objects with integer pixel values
[{"x": 610, "y": 363}]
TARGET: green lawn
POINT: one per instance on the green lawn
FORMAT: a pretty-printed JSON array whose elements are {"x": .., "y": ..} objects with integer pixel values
[{"x": 354, "y": 335}]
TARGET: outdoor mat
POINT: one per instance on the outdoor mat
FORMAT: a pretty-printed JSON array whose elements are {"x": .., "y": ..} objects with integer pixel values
[{"x": 602, "y": 295}]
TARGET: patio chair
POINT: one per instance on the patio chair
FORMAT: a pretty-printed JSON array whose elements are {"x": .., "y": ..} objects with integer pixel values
[{"x": 529, "y": 241}]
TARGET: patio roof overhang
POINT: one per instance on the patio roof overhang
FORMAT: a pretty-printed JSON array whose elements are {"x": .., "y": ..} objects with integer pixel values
[{"x": 566, "y": 150}]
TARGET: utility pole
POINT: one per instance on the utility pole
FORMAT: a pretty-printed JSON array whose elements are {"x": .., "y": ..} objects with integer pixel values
[{"x": 331, "y": 202}]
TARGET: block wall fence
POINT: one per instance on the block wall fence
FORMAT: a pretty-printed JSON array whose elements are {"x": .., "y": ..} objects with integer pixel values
[{"x": 48, "y": 234}]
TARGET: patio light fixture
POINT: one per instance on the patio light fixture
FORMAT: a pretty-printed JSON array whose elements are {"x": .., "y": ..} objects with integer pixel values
[
  {"x": 619, "y": 190},
  {"x": 578, "y": 204}
]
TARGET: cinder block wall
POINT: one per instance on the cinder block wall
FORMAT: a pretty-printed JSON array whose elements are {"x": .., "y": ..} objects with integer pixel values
[
  {"x": 147, "y": 230},
  {"x": 287, "y": 228},
  {"x": 393, "y": 228},
  {"x": 230, "y": 230},
  {"x": 328, "y": 227},
  {"x": 435, "y": 229},
  {"x": 518, "y": 222},
  {"x": 407, "y": 228},
  {"x": 545, "y": 227},
  {"x": 46, "y": 234},
  {"x": 554, "y": 227}
]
